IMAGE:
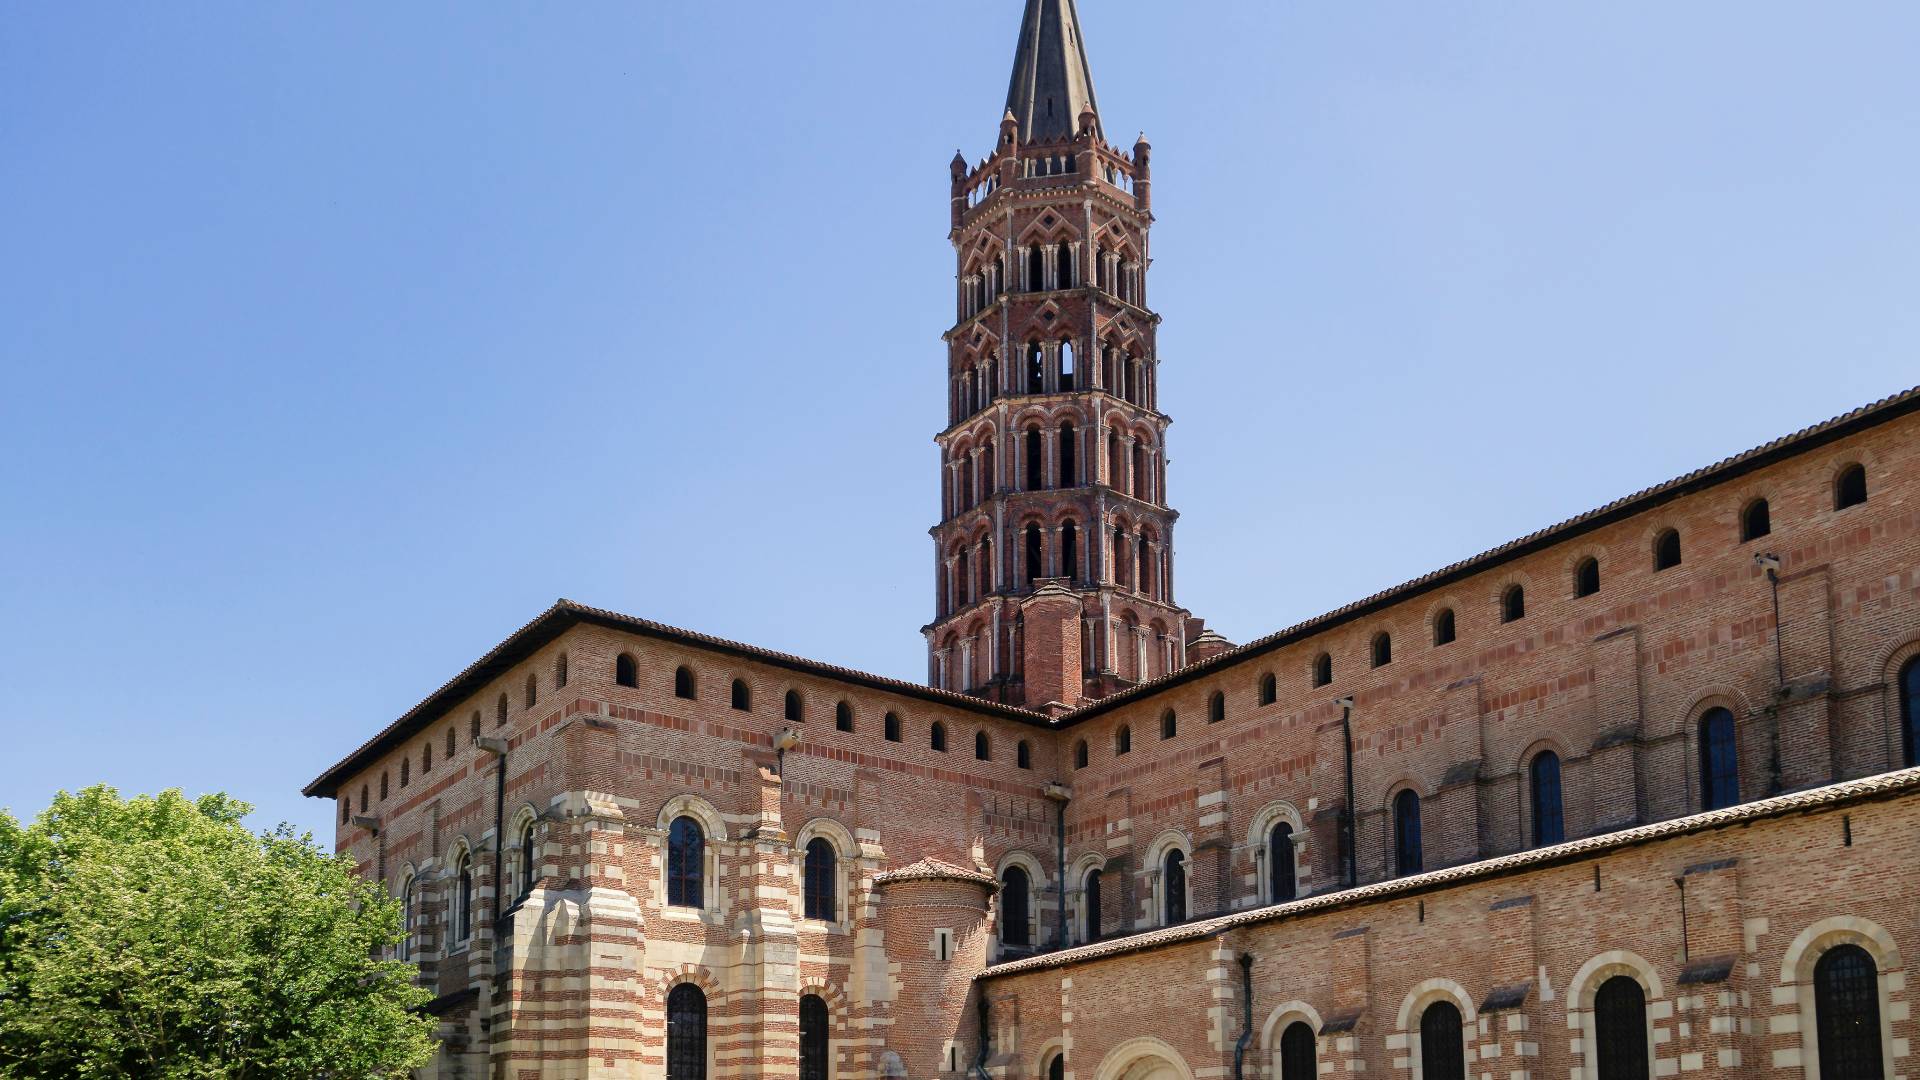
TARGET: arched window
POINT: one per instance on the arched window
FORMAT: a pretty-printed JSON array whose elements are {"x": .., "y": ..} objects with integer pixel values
[
  {"x": 822, "y": 866},
  {"x": 1023, "y": 755},
  {"x": 383, "y": 787},
  {"x": 1620, "y": 1029},
  {"x": 1035, "y": 269},
  {"x": 1444, "y": 632},
  {"x": 813, "y": 1038},
  {"x": 686, "y": 1033},
  {"x": 500, "y": 711},
  {"x": 451, "y": 746},
  {"x": 1123, "y": 741},
  {"x": 1281, "y": 883},
  {"x": 409, "y": 917},
  {"x": 892, "y": 727},
  {"x": 1216, "y": 707},
  {"x": 1382, "y": 649},
  {"x": 1069, "y": 552},
  {"x": 463, "y": 898},
  {"x": 363, "y": 798},
  {"x": 1036, "y": 369},
  {"x": 473, "y": 727},
  {"x": 1036, "y": 460},
  {"x": 982, "y": 747},
  {"x": 1169, "y": 724},
  {"x": 1549, "y": 822},
  {"x": 560, "y": 672},
  {"x": 1090, "y": 931},
  {"x": 1173, "y": 887},
  {"x": 529, "y": 859},
  {"x": 1015, "y": 908},
  {"x": 1756, "y": 521},
  {"x": 843, "y": 717},
  {"x": 1910, "y": 710},
  {"x": 1407, "y": 855},
  {"x": 1666, "y": 550},
  {"x": 1323, "y": 670},
  {"x": 1586, "y": 577},
  {"x": 1057, "y": 1067},
  {"x": 1080, "y": 754},
  {"x": 1719, "y": 762},
  {"x": 686, "y": 864},
  {"x": 1298, "y": 1058},
  {"x": 1033, "y": 553},
  {"x": 1067, "y": 471},
  {"x": 532, "y": 696},
  {"x": 1851, "y": 488},
  {"x": 741, "y": 696},
  {"x": 683, "y": 684},
  {"x": 1442, "y": 1055},
  {"x": 1513, "y": 604},
  {"x": 1269, "y": 689},
  {"x": 406, "y": 771},
  {"x": 794, "y": 709},
  {"x": 1066, "y": 363},
  {"x": 1846, "y": 1006},
  {"x": 937, "y": 737},
  {"x": 426, "y": 757},
  {"x": 626, "y": 671}
]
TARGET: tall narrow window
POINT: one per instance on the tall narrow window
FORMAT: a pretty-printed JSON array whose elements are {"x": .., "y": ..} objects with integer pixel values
[
  {"x": 1719, "y": 762},
  {"x": 406, "y": 771},
  {"x": 813, "y": 1038},
  {"x": 1910, "y": 711},
  {"x": 1067, "y": 470},
  {"x": 1620, "y": 1029},
  {"x": 1281, "y": 883},
  {"x": 794, "y": 709},
  {"x": 383, "y": 787},
  {"x": 1851, "y": 488},
  {"x": 1036, "y": 460},
  {"x": 1216, "y": 707},
  {"x": 982, "y": 747},
  {"x": 742, "y": 698},
  {"x": 891, "y": 726},
  {"x": 1057, "y": 1068},
  {"x": 1169, "y": 724},
  {"x": 683, "y": 685},
  {"x": 686, "y": 864},
  {"x": 473, "y": 727},
  {"x": 1756, "y": 521},
  {"x": 626, "y": 672},
  {"x": 452, "y": 748},
  {"x": 1034, "y": 569},
  {"x": 1323, "y": 670},
  {"x": 409, "y": 917},
  {"x": 1123, "y": 740},
  {"x": 1014, "y": 909},
  {"x": 1846, "y": 1005},
  {"x": 1173, "y": 887},
  {"x": 1298, "y": 1058},
  {"x": 1549, "y": 823},
  {"x": 1408, "y": 858},
  {"x": 1080, "y": 754},
  {"x": 1023, "y": 755},
  {"x": 822, "y": 868},
  {"x": 1586, "y": 577},
  {"x": 1036, "y": 369},
  {"x": 1269, "y": 689},
  {"x": 532, "y": 695},
  {"x": 529, "y": 860},
  {"x": 1036, "y": 267},
  {"x": 843, "y": 717},
  {"x": 1069, "y": 552},
  {"x": 426, "y": 757},
  {"x": 1066, "y": 366},
  {"x": 1444, "y": 632},
  {"x": 1666, "y": 550},
  {"x": 1091, "y": 930},
  {"x": 560, "y": 672},
  {"x": 686, "y": 1033},
  {"x": 500, "y": 711},
  {"x": 1513, "y": 604},
  {"x": 937, "y": 737},
  {"x": 463, "y": 899},
  {"x": 1442, "y": 1053},
  {"x": 1382, "y": 649}
]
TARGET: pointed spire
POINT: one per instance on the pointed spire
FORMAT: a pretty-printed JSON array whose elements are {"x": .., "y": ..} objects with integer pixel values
[{"x": 1052, "y": 83}]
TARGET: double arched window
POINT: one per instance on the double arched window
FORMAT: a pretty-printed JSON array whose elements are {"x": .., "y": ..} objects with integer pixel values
[
  {"x": 822, "y": 880},
  {"x": 686, "y": 864},
  {"x": 1015, "y": 908},
  {"x": 1620, "y": 1030},
  {"x": 1408, "y": 858},
  {"x": 1846, "y": 1005},
  {"x": 1442, "y": 1052},
  {"x": 1173, "y": 887},
  {"x": 1549, "y": 821},
  {"x": 813, "y": 1037},
  {"x": 686, "y": 1033},
  {"x": 1298, "y": 1057},
  {"x": 1719, "y": 761},
  {"x": 1282, "y": 885}
]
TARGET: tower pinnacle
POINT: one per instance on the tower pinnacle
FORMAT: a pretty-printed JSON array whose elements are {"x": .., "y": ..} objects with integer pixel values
[{"x": 1052, "y": 82}]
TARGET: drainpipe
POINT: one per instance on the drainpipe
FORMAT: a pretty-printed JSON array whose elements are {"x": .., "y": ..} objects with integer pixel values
[
  {"x": 1246, "y": 1017},
  {"x": 498, "y": 748},
  {"x": 1346, "y": 818},
  {"x": 1060, "y": 795},
  {"x": 1771, "y": 564},
  {"x": 979, "y": 1069}
]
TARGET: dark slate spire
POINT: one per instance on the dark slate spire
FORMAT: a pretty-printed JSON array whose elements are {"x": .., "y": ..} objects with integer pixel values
[{"x": 1052, "y": 84}]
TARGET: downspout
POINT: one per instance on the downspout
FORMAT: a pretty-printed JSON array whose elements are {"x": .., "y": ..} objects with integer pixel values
[
  {"x": 1060, "y": 795},
  {"x": 1771, "y": 564},
  {"x": 498, "y": 748},
  {"x": 1346, "y": 819},
  {"x": 1246, "y": 1017},
  {"x": 979, "y": 1069}
]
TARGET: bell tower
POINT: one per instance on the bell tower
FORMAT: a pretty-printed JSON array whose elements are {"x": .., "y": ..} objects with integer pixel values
[{"x": 1053, "y": 559}]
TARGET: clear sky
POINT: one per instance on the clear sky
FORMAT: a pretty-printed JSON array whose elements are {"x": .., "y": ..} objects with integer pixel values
[{"x": 339, "y": 340}]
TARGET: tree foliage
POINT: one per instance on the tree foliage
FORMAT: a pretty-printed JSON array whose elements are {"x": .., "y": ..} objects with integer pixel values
[{"x": 159, "y": 937}]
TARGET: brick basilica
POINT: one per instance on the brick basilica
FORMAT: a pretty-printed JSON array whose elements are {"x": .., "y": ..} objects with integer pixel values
[{"x": 1629, "y": 797}]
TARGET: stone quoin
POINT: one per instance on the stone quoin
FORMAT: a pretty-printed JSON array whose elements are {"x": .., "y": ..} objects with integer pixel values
[{"x": 1630, "y": 797}]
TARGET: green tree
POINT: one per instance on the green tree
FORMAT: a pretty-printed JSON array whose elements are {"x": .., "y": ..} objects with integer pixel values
[{"x": 159, "y": 937}]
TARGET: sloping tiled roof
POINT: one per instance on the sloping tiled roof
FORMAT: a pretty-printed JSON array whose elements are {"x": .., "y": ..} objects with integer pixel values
[
  {"x": 931, "y": 869},
  {"x": 1873, "y": 788}
]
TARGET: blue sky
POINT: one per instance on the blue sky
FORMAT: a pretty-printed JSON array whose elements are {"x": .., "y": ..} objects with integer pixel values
[{"x": 339, "y": 340}]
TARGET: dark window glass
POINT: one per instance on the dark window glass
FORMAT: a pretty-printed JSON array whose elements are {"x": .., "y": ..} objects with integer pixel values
[
  {"x": 892, "y": 726},
  {"x": 1620, "y": 1029},
  {"x": 1513, "y": 605},
  {"x": 742, "y": 697},
  {"x": 822, "y": 860},
  {"x": 1586, "y": 577},
  {"x": 1549, "y": 823},
  {"x": 686, "y": 864},
  {"x": 1280, "y": 871},
  {"x": 1443, "y": 629},
  {"x": 982, "y": 747},
  {"x": 1169, "y": 725},
  {"x": 843, "y": 717},
  {"x": 1407, "y": 856},
  {"x": 1757, "y": 521},
  {"x": 1910, "y": 710},
  {"x": 1080, "y": 754},
  {"x": 1014, "y": 931},
  {"x": 1298, "y": 1061},
  {"x": 1666, "y": 550},
  {"x": 937, "y": 737},
  {"x": 1846, "y": 1003},
  {"x": 686, "y": 1033},
  {"x": 813, "y": 1038},
  {"x": 625, "y": 671},
  {"x": 1173, "y": 887},
  {"x": 1123, "y": 741},
  {"x": 1442, "y": 1055},
  {"x": 1269, "y": 689},
  {"x": 1216, "y": 707},
  {"x": 1719, "y": 762},
  {"x": 1851, "y": 490},
  {"x": 1091, "y": 931},
  {"x": 1023, "y": 755},
  {"x": 1382, "y": 650},
  {"x": 1323, "y": 670}
]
